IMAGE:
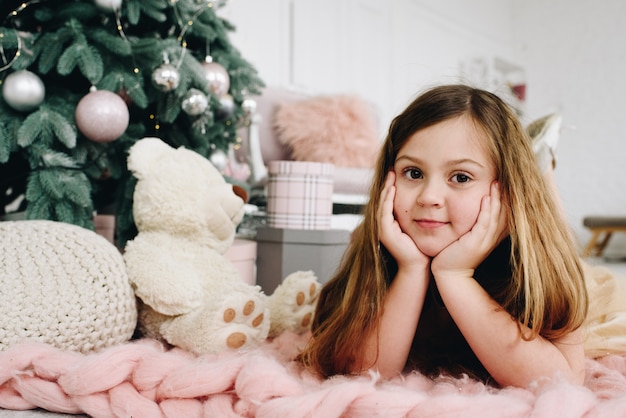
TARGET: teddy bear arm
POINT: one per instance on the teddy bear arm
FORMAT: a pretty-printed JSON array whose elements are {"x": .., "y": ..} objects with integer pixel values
[{"x": 168, "y": 285}]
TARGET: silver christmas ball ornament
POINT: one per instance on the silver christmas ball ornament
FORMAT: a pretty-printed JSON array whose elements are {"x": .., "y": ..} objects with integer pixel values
[
  {"x": 102, "y": 116},
  {"x": 219, "y": 159},
  {"x": 23, "y": 90},
  {"x": 194, "y": 102},
  {"x": 227, "y": 107},
  {"x": 217, "y": 78},
  {"x": 166, "y": 77},
  {"x": 249, "y": 106},
  {"x": 108, "y": 5}
]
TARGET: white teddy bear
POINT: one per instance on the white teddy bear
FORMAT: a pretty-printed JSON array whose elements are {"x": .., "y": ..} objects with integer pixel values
[{"x": 190, "y": 294}]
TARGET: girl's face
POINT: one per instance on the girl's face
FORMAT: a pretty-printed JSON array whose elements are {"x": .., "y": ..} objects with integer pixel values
[{"x": 442, "y": 174}]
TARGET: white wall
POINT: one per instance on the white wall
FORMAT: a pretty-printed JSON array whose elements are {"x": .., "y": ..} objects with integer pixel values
[
  {"x": 573, "y": 54},
  {"x": 385, "y": 51}
]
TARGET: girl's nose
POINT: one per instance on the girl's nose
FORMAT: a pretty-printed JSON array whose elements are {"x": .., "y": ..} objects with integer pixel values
[{"x": 431, "y": 194}]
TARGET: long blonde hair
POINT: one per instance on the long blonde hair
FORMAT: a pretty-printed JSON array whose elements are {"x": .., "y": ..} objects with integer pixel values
[{"x": 546, "y": 293}]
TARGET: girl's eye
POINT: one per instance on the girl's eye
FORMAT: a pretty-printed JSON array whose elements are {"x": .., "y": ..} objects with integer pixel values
[
  {"x": 412, "y": 173},
  {"x": 460, "y": 178}
]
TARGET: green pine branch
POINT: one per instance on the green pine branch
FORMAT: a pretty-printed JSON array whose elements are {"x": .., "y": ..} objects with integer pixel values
[{"x": 44, "y": 127}]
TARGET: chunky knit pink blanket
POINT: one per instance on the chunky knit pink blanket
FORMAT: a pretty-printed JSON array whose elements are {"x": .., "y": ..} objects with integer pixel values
[{"x": 144, "y": 379}]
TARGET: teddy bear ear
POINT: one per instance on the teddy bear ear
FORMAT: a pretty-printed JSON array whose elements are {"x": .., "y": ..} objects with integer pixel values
[
  {"x": 241, "y": 192},
  {"x": 144, "y": 153}
]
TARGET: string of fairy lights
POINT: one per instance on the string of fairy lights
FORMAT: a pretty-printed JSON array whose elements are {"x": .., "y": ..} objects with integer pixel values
[{"x": 8, "y": 63}]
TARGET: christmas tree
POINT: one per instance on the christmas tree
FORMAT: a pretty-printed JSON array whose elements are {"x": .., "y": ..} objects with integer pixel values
[{"x": 83, "y": 80}]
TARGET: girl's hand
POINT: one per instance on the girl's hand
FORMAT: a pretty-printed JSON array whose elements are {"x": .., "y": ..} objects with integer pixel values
[
  {"x": 465, "y": 254},
  {"x": 400, "y": 245}
]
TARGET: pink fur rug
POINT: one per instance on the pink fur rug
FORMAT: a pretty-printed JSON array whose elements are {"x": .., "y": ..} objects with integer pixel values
[{"x": 144, "y": 379}]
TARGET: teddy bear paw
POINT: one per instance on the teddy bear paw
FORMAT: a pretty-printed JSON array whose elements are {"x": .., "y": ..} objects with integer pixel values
[
  {"x": 243, "y": 318},
  {"x": 250, "y": 317},
  {"x": 234, "y": 321},
  {"x": 292, "y": 305}
]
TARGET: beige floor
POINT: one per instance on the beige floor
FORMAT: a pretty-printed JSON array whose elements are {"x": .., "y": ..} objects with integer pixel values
[{"x": 615, "y": 264}]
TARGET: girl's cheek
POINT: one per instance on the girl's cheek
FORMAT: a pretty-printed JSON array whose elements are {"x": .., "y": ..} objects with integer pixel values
[{"x": 397, "y": 208}]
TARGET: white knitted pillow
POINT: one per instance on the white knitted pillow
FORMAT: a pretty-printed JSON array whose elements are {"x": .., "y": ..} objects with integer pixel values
[{"x": 63, "y": 285}]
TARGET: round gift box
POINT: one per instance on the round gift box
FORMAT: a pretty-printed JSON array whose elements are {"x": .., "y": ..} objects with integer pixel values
[{"x": 299, "y": 195}]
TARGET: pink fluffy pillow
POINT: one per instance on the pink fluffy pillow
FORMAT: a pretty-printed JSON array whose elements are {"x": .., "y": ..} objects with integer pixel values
[{"x": 341, "y": 130}]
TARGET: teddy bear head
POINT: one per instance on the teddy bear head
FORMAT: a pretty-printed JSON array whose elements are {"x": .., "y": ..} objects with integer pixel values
[{"x": 179, "y": 192}]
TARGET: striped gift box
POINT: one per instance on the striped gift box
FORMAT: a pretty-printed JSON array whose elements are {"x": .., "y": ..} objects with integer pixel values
[{"x": 299, "y": 195}]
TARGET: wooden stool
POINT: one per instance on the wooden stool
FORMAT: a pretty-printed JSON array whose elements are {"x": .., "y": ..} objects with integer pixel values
[{"x": 600, "y": 225}]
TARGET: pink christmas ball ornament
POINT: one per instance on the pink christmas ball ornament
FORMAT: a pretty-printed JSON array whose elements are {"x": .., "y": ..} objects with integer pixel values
[
  {"x": 217, "y": 78},
  {"x": 102, "y": 116}
]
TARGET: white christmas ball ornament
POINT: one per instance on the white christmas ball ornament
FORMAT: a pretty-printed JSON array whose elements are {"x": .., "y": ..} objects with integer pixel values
[
  {"x": 217, "y": 78},
  {"x": 109, "y": 5},
  {"x": 102, "y": 116},
  {"x": 23, "y": 90},
  {"x": 219, "y": 159}
]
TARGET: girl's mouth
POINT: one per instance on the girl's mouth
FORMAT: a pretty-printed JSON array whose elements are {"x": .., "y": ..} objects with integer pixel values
[{"x": 430, "y": 223}]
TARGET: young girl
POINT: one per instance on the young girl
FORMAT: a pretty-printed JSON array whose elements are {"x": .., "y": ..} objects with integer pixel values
[{"x": 463, "y": 263}]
